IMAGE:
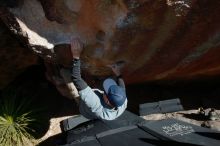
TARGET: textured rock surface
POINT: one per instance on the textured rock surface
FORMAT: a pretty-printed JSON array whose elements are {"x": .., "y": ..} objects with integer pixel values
[
  {"x": 14, "y": 59},
  {"x": 157, "y": 39}
]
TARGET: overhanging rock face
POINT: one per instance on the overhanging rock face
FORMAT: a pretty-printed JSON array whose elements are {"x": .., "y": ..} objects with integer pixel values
[
  {"x": 14, "y": 59},
  {"x": 157, "y": 39}
]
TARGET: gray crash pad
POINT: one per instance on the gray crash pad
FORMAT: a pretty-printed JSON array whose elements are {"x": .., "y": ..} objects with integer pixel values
[
  {"x": 72, "y": 122},
  {"x": 182, "y": 132},
  {"x": 124, "y": 136},
  {"x": 130, "y": 130},
  {"x": 164, "y": 106},
  {"x": 78, "y": 127}
]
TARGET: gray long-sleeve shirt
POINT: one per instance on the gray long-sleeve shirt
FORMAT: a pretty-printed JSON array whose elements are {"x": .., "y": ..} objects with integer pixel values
[{"x": 92, "y": 104}]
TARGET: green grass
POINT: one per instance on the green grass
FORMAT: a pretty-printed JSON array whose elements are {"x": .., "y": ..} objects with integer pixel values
[{"x": 15, "y": 122}]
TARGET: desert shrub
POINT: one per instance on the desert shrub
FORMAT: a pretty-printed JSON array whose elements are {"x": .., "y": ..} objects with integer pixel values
[{"x": 15, "y": 122}]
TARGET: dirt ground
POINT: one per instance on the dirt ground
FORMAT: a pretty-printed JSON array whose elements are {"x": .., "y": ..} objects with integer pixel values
[{"x": 193, "y": 94}]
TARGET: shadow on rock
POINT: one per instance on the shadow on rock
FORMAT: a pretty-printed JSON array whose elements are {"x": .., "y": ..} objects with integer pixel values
[{"x": 198, "y": 117}]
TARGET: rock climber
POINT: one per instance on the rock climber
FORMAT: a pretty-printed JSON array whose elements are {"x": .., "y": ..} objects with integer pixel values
[{"x": 105, "y": 105}]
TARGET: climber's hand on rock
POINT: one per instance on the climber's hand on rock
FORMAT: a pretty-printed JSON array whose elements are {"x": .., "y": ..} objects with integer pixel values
[
  {"x": 116, "y": 69},
  {"x": 76, "y": 47}
]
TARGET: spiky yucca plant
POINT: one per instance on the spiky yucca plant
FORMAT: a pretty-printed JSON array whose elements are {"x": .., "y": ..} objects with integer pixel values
[{"x": 15, "y": 123}]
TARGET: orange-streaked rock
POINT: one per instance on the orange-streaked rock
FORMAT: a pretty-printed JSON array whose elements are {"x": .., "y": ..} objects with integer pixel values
[{"x": 157, "y": 39}]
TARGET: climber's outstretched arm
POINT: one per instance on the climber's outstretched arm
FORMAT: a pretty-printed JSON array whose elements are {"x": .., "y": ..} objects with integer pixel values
[
  {"x": 117, "y": 71},
  {"x": 76, "y": 49}
]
